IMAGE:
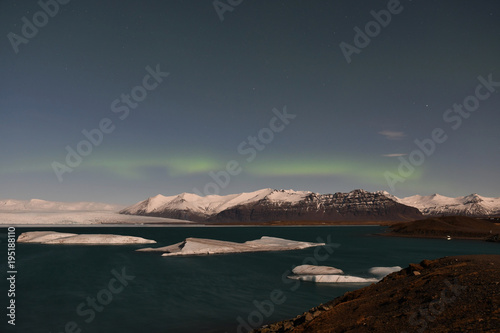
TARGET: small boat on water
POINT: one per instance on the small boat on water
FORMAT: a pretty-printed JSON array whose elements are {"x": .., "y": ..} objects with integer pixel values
[{"x": 448, "y": 237}]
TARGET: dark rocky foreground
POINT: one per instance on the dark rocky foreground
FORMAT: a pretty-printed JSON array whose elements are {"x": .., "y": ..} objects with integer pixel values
[{"x": 451, "y": 294}]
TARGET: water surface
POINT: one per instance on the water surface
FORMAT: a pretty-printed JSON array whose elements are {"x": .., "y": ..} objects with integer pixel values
[{"x": 197, "y": 294}]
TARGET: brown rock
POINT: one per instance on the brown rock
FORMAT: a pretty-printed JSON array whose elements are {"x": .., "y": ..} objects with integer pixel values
[
  {"x": 451, "y": 294},
  {"x": 287, "y": 325},
  {"x": 317, "y": 313},
  {"x": 415, "y": 267},
  {"x": 425, "y": 263}
]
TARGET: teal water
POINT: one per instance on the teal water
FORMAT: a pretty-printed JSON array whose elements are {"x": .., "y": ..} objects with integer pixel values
[{"x": 220, "y": 293}]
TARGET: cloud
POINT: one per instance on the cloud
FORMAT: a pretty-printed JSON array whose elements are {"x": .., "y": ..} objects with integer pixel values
[
  {"x": 393, "y": 135},
  {"x": 394, "y": 155}
]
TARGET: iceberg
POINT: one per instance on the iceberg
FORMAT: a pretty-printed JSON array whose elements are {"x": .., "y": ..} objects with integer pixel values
[
  {"x": 383, "y": 271},
  {"x": 316, "y": 270},
  {"x": 327, "y": 274},
  {"x": 52, "y": 237},
  {"x": 332, "y": 278},
  {"x": 202, "y": 246}
]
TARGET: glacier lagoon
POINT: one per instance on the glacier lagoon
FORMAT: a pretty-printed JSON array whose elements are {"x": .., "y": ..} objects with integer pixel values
[{"x": 116, "y": 289}]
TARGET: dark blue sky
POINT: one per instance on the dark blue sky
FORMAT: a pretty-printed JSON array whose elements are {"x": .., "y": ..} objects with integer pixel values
[{"x": 353, "y": 125}]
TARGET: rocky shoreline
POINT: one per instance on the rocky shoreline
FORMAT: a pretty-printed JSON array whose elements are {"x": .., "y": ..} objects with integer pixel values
[
  {"x": 460, "y": 227},
  {"x": 451, "y": 294}
]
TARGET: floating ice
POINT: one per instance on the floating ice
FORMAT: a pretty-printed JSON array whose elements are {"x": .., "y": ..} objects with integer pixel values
[
  {"x": 201, "y": 246},
  {"x": 332, "y": 278},
  {"x": 383, "y": 271},
  {"x": 52, "y": 237},
  {"x": 316, "y": 270},
  {"x": 327, "y": 274}
]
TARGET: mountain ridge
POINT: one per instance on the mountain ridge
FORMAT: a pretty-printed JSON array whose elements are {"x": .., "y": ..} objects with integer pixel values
[
  {"x": 189, "y": 206},
  {"x": 274, "y": 205},
  {"x": 469, "y": 205}
]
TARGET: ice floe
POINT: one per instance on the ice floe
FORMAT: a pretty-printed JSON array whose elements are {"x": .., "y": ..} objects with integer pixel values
[
  {"x": 327, "y": 274},
  {"x": 202, "y": 246},
  {"x": 383, "y": 271},
  {"x": 316, "y": 270},
  {"x": 52, "y": 237},
  {"x": 332, "y": 278}
]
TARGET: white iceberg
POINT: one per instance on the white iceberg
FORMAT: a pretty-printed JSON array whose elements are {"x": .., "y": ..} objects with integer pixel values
[
  {"x": 316, "y": 270},
  {"x": 52, "y": 237},
  {"x": 326, "y": 274},
  {"x": 384, "y": 271},
  {"x": 201, "y": 246},
  {"x": 332, "y": 278},
  {"x": 41, "y": 236}
]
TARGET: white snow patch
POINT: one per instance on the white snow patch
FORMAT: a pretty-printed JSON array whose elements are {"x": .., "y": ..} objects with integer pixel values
[
  {"x": 288, "y": 196},
  {"x": 43, "y": 205},
  {"x": 35, "y": 211},
  {"x": 61, "y": 217}
]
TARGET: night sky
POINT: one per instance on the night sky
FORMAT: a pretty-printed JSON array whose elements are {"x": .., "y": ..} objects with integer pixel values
[{"x": 267, "y": 93}]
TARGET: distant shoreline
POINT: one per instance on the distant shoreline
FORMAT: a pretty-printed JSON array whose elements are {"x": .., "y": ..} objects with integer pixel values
[
  {"x": 306, "y": 224},
  {"x": 182, "y": 225},
  {"x": 391, "y": 234},
  {"x": 447, "y": 227}
]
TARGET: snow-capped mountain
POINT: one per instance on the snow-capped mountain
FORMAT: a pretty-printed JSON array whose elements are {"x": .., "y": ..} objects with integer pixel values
[
  {"x": 276, "y": 205},
  {"x": 199, "y": 207},
  {"x": 469, "y": 205}
]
